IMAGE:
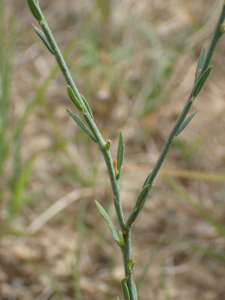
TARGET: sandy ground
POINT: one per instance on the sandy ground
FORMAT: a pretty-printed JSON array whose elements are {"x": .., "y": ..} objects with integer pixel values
[{"x": 136, "y": 63}]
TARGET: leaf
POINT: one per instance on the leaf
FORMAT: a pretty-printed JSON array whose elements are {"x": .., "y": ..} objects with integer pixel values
[
  {"x": 142, "y": 198},
  {"x": 104, "y": 214},
  {"x": 43, "y": 38},
  {"x": 135, "y": 292},
  {"x": 35, "y": 9},
  {"x": 120, "y": 154},
  {"x": 186, "y": 122},
  {"x": 121, "y": 238},
  {"x": 125, "y": 290},
  {"x": 87, "y": 106},
  {"x": 201, "y": 82},
  {"x": 82, "y": 125},
  {"x": 201, "y": 60},
  {"x": 138, "y": 205},
  {"x": 146, "y": 180},
  {"x": 74, "y": 99}
]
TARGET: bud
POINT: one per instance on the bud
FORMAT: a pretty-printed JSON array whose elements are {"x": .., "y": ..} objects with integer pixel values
[
  {"x": 115, "y": 166},
  {"x": 222, "y": 29},
  {"x": 108, "y": 145}
]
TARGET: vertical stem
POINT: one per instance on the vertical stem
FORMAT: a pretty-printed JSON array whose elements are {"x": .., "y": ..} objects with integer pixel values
[
  {"x": 115, "y": 187},
  {"x": 127, "y": 254}
]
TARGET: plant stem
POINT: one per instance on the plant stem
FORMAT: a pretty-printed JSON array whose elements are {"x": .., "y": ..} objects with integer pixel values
[
  {"x": 115, "y": 187},
  {"x": 215, "y": 39},
  {"x": 216, "y": 36},
  {"x": 102, "y": 145},
  {"x": 126, "y": 259}
]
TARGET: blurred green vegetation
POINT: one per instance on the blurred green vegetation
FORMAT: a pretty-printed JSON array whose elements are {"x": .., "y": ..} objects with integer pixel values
[{"x": 110, "y": 60}]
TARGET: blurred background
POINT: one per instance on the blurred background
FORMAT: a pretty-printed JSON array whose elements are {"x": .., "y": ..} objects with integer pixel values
[{"x": 134, "y": 61}]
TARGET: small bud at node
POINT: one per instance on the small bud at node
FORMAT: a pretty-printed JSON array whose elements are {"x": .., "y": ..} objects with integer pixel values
[{"x": 115, "y": 166}]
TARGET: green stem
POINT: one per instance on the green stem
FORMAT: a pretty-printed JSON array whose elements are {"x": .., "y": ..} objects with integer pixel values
[
  {"x": 215, "y": 39},
  {"x": 216, "y": 36},
  {"x": 101, "y": 142},
  {"x": 115, "y": 187},
  {"x": 126, "y": 259},
  {"x": 69, "y": 80},
  {"x": 169, "y": 141}
]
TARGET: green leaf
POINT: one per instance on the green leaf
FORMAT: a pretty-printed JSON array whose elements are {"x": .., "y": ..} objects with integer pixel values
[
  {"x": 201, "y": 60},
  {"x": 82, "y": 125},
  {"x": 146, "y": 180},
  {"x": 43, "y": 38},
  {"x": 138, "y": 205},
  {"x": 142, "y": 198},
  {"x": 121, "y": 238},
  {"x": 201, "y": 82},
  {"x": 35, "y": 9},
  {"x": 135, "y": 292},
  {"x": 104, "y": 214},
  {"x": 120, "y": 154},
  {"x": 87, "y": 106},
  {"x": 74, "y": 99},
  {"x": 117, "y": 298},
  {"x": 186, "y": 122},
  {"x": 125, "y": 290}
]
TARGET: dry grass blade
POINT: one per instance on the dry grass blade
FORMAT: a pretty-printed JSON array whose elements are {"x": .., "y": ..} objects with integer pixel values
[{"x": 56, "y": 208}]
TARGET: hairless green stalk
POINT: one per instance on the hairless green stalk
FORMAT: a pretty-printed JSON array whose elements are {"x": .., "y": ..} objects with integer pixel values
[{"x": 114, "y": 167}]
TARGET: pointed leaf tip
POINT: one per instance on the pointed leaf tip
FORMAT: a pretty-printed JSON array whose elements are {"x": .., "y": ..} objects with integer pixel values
[
  {"x": 43, "y": 38},
  {"x": 74, "y": 99},
  {"x": 186, "y": 122},
  {"x": 201, "y": 82},
  {"x": 87, "y": 106},
  {"x": 104, "y": 214},
  {"x": 120, "y": 154},
  {"x": 82, "y": 125},
  {"x": 201, "y": 60},
  {"x": 142, "y": 197}
]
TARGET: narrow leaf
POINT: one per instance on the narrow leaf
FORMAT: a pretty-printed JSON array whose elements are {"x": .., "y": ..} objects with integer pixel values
[
  {"x": 201, "y": 60},
  {"x": 138, "y": 205},
  {"x": 74, "y": 99},
  {"x": 121, "y": 238},
  {"x": 120, "y": 154},
  {"x": 146, "y": 180},
  {"x": 87, "y": 106},
  {"x": 142, "y": 197},
  {"x": 35, "y": 9},
  {"x": 125, "y": 290},
  {"x": 43, "y": 38},
  {"x": 82, "y": 125},
  {"x": 135, "y": 292},
  {"x": 186, "y": 122},
  {"x": 201, "y": 82},
  {"x": 104, "y": 214}
]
